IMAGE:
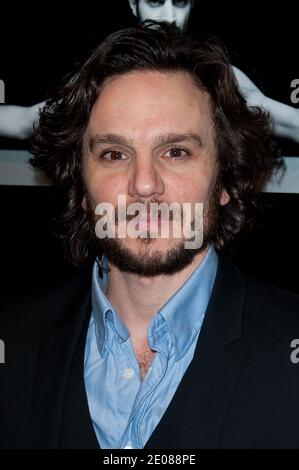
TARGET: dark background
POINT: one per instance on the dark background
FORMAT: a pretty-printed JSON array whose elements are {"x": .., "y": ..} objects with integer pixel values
[
  {"x": 41, "y": 42},
  {"x": 40, "y": 45}
]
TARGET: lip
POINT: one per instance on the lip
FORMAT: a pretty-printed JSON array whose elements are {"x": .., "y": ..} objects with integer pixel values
[{"x": 150, "y": 223}]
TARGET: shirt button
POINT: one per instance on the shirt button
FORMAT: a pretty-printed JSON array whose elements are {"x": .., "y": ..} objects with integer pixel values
[
  {"x": 128, "y": 373},
  {"x": 128, "y": 447}
]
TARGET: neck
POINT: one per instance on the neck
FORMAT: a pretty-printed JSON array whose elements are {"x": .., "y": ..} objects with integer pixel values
[{"x": 137, "y": 298}]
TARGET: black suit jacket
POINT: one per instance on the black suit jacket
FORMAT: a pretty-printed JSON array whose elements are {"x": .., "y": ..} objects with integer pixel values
[{"x": 241, "y": 389}]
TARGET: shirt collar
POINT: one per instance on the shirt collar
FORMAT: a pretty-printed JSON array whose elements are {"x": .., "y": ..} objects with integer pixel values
[
  {"x": 183, "y": 312},
  {"x": 103, "y": 310}
]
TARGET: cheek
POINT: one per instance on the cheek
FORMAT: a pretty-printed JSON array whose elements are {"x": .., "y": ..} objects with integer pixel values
[
  {"x": 199, "y": 193},
  {"x": 197, "y": 186},
  {"x": 146, "y": 13},
  {"x": 104, "y": 189},
  {"x": 94, "y": 185},
  {"x": 191, "y": 190},
  {"x": 182, "y": 17}
]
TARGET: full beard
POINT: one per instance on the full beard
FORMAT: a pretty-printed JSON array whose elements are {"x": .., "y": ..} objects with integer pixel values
[{"x": 148, "y": 261}]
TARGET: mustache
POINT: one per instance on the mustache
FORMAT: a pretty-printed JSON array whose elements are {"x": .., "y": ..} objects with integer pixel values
[{"x": 154, "y": 210}]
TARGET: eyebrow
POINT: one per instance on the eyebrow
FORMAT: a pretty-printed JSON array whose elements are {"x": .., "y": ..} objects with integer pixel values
[
  {"x": 174, "y": 138},
  {"x": 114, "y": 139},
  {"x": 158, "y": 141}
]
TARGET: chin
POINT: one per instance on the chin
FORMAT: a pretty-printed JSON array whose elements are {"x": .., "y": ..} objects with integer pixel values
[{"x": 157, "y": 244}]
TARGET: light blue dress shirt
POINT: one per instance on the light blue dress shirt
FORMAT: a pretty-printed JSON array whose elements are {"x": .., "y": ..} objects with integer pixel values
[{"x": 125, "y": 410}]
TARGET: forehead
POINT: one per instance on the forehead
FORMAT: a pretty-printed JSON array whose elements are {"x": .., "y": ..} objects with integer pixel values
[{"x": 151, "y": 100}]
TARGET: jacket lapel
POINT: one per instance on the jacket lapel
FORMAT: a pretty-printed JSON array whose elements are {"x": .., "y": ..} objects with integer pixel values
[
  {"x": 77, "y": 427},
  {"x": 55, "y": 358},
  {"x": 196, "y": 414}
]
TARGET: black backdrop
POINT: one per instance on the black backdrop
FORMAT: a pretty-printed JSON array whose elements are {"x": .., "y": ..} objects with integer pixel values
[{"x": 40, "y": 44}]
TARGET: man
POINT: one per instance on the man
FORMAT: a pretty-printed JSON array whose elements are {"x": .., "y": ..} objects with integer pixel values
[
  {"x": 177, "y": 11},
  {"x": 163, "y": 346}
]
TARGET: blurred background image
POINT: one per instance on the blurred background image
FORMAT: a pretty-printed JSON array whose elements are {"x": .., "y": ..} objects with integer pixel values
[{"x": 41, "y": 44}]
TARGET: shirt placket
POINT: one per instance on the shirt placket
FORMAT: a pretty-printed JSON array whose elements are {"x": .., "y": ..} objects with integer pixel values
[{"x": 161, "y": 345}]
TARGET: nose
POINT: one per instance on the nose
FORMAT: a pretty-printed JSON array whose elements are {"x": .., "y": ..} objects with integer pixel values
[
  {"x": 145, "y": 181},
  {"x": 169, "y": 13}
]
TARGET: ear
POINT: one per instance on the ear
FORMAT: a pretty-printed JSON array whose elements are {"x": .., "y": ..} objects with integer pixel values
[
  {"x": 133, "y": 5},
  {"x": 83, "y": 203},
  {"x": 224, "y": 197}
]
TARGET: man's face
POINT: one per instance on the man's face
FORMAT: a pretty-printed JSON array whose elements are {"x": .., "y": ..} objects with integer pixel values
[
  {"x": 150, "y": 137},
  {"x": 177, "y": 11}
]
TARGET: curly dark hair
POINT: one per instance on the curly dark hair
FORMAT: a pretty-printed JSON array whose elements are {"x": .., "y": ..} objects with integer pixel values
[{"x": 246, "y": 154}]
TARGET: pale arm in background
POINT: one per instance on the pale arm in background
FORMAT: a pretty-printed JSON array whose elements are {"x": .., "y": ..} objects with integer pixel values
[
  {"x": 285, "y": 118},
  {"x": 16, "y": 122}
]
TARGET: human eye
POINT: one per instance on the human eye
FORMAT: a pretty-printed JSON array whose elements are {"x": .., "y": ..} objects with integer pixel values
[
  {"x": 177, "y": 153},
  {"x": 112, "y": 155},
  {"x": 181, "y": 3},
  {"x": 155, "y": 3}
]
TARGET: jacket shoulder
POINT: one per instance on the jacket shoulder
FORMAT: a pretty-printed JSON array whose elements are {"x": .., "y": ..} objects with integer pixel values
[
  {"x": 271, "y": 308},
  {"x": 263, "y": 305},
  {"x": 35, "y": 308},
  {"x": 269, "y": 297}
]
